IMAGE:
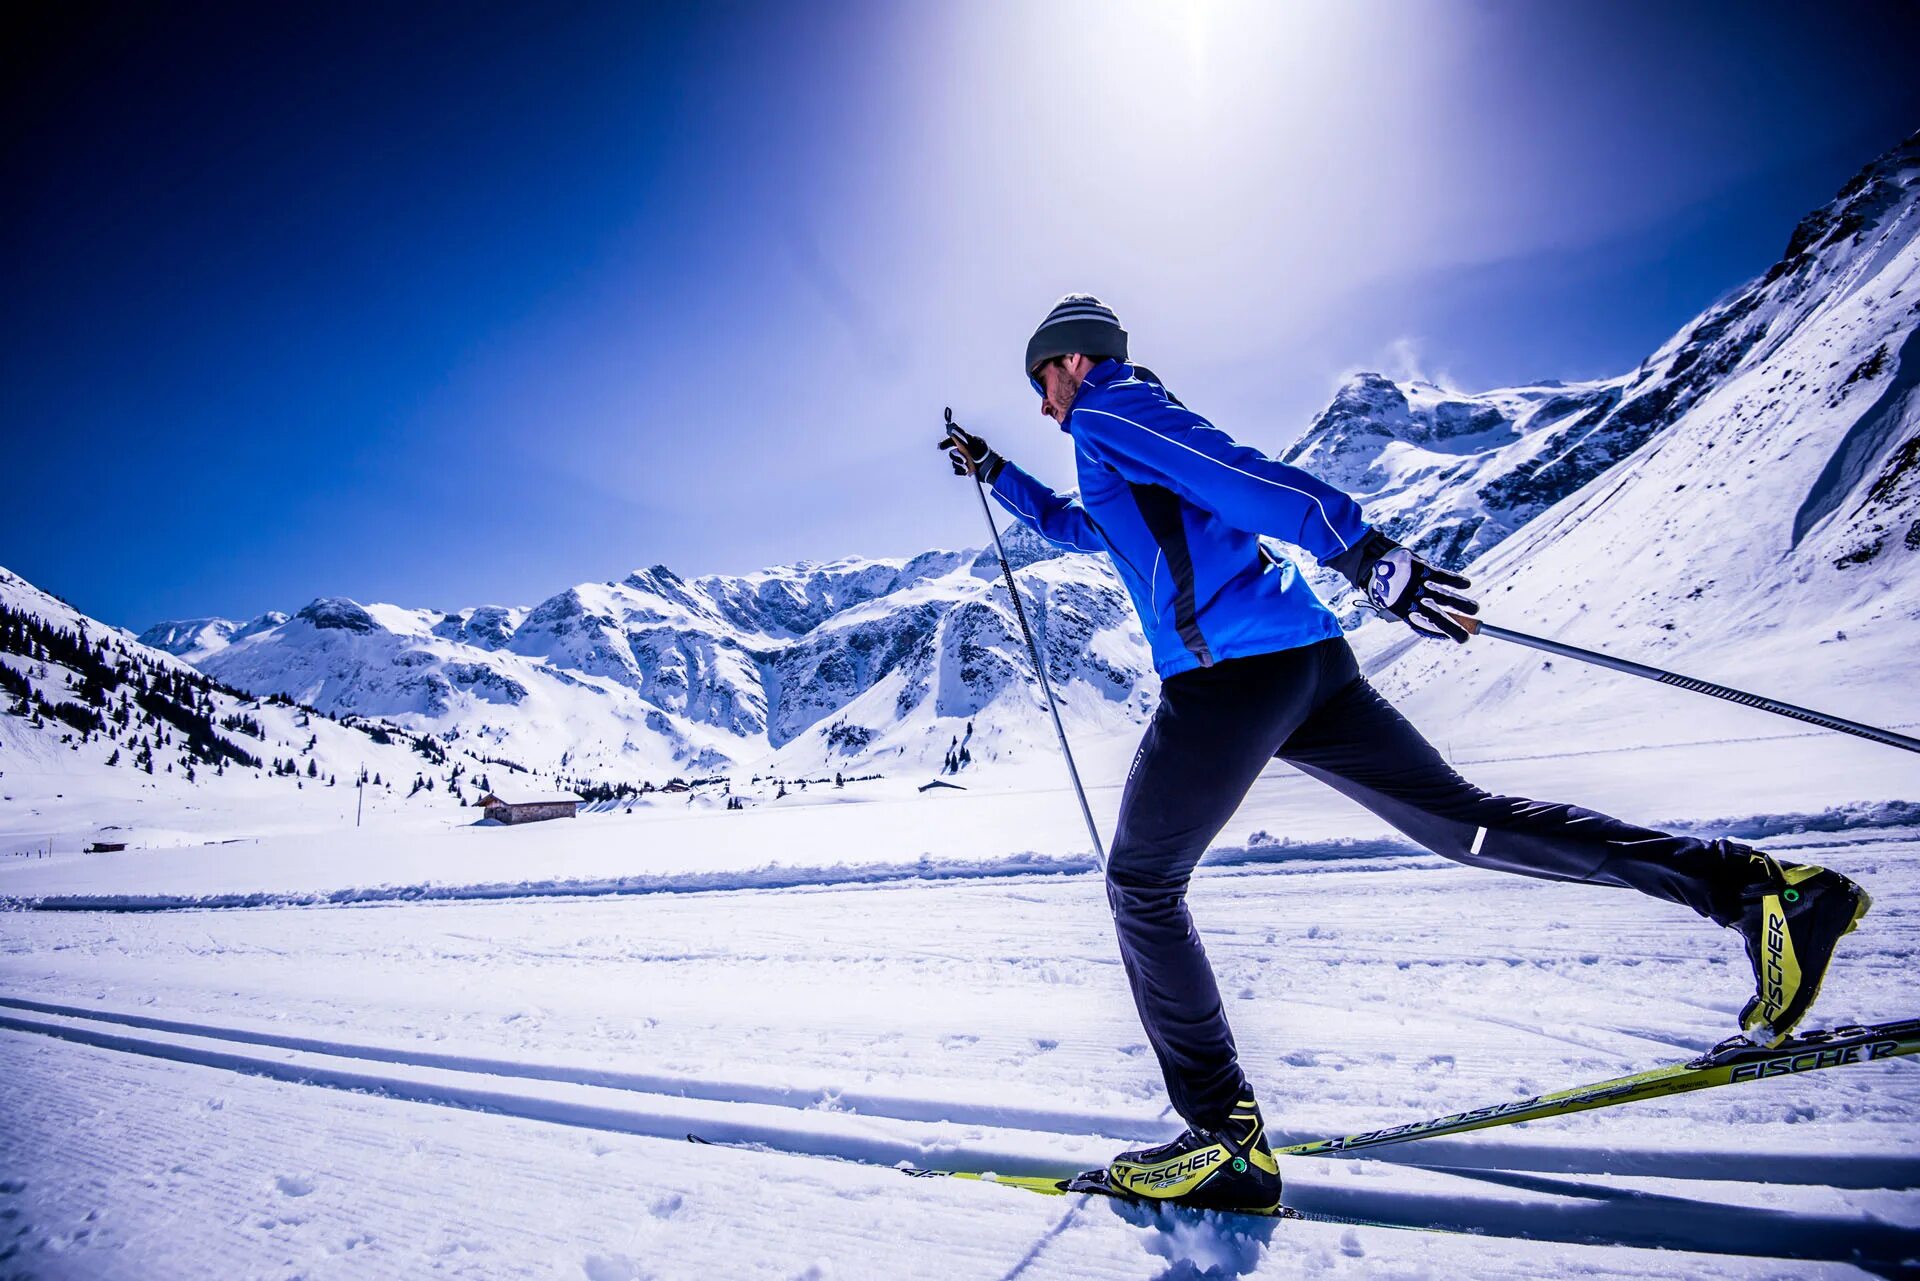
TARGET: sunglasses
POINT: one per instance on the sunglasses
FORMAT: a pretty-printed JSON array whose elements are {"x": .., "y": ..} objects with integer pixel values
[{"x": 1035, "y": 374}]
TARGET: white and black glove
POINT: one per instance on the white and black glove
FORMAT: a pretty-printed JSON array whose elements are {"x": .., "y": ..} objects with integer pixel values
[
  {"x": 968, "y": 453},
  {"x": 1424, "y": 597}
]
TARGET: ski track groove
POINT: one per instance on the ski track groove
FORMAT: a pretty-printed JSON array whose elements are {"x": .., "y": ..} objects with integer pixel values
[
  {"x": 1600, "y": 1216},
  {"x": 1443, "y": 999},
  {"x": 1832, "y": 1171},
  {"x": 269, "y": 1210}
]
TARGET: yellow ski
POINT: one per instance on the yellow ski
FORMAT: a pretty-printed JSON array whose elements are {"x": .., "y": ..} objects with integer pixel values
[{"x": 1733, "y": 1062}]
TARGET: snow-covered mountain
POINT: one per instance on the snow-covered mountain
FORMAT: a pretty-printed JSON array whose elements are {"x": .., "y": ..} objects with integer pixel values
[
  {"x": 1455, "y": 472},
  {"x": 809, "y": 668},
  {"x": 1766, "y": 533},
  {"x": 100, "y": 733},
  {"x": 195, "y": 639},
  {"x": 1779, "y": 422}
]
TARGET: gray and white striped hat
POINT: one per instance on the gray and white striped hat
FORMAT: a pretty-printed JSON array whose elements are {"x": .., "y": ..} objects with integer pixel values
[{"x": 1077, "y": 323}]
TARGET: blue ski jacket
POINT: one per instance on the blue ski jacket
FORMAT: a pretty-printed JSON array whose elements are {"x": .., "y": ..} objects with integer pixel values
[{"x": 1179, "y": 508}]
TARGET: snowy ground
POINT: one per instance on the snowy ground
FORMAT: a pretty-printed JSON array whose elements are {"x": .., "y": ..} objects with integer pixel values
[
  {"x": 1697, "y": 769},
  {"x": 502, "y": 1087}
]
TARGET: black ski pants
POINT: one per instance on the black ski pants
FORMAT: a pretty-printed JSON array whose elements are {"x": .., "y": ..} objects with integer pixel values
[{"x": 1217, "y": 727}]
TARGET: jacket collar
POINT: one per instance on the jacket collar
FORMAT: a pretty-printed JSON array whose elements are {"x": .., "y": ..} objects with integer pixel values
[{"x": 1101, "y": 375}]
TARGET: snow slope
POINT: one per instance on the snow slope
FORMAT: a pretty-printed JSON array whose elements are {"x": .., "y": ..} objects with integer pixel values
[
  {"x": 67, "y": 786},
  {"x": 1768, "y": 537},
  {"x": 1454, "y": 472}
]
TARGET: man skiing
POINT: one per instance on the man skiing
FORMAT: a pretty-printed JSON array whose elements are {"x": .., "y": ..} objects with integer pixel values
[{"x": 1254, "y": 666}]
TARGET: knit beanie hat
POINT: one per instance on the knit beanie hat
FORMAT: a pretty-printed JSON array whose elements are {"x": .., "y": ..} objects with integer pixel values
[{"x": 1078, "y": 322}]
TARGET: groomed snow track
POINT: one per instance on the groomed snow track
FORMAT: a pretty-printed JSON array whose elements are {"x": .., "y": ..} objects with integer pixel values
[{"x": 891, "y": 1131}]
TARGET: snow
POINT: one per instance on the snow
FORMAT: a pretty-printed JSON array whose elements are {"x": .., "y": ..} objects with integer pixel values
[{"x": 502, "y": 1088}]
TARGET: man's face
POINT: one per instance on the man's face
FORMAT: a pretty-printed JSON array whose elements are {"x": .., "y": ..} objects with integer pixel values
[{"x": 1059, "y": 383}]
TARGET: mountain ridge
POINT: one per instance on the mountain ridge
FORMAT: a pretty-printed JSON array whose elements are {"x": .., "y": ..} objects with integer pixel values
[
  {"x": 826, "y": 664},
  {"x": 656, "y": 674}
]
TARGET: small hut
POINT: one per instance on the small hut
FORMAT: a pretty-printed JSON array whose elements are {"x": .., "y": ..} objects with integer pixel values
[{"x": 514, "y": 805}]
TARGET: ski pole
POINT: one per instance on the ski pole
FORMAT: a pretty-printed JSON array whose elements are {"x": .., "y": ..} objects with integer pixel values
[
  {"x": 1033, "y": 651},
  {"x": 1887, "y": 736}
]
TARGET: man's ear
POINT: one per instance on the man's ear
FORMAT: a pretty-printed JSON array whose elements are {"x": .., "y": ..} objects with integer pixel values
[{"x": 1079, "y": 363}]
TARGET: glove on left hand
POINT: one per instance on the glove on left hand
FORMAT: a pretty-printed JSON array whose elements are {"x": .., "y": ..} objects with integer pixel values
[
  {"x": 968, "y": 453},
  {"x": 1397, "y": 582}
]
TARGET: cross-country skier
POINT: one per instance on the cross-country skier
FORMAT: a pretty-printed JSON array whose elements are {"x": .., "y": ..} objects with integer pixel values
[{"x": 1253, "y": 666}]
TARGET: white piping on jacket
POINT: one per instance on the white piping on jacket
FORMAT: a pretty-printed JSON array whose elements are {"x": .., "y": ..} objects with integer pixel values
[{"x": 1344, "y": 545}]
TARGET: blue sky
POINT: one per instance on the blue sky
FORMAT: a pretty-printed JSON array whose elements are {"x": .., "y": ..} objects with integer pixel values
[{"x": 447, "y": 305}]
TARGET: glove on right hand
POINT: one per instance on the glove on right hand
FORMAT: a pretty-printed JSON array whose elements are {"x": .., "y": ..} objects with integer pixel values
[{"x": 1399, "y": 583}]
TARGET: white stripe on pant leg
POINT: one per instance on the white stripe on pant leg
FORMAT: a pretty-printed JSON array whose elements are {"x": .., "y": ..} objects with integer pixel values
[{"x": 1479, "y": 839}]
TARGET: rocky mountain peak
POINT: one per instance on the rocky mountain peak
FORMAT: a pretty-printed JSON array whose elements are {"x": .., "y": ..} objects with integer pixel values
[
  {"x": 487, "y": 626},
  {"x": 337, "y": 613},
  {"x": 1868, "y": 197},
  {"x": 1344, "y": 441}
]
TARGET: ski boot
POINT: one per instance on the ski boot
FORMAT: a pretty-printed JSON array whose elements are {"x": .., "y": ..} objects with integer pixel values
[
  {"x": 1230, "y": 1168},
  {"x": 1791, "y": 917}
]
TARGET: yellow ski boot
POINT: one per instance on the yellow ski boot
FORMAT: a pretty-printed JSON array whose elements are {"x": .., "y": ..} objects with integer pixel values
[
  {"x": 1792, "y": 918},
  {"x": 1229, "y": 1168}
]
